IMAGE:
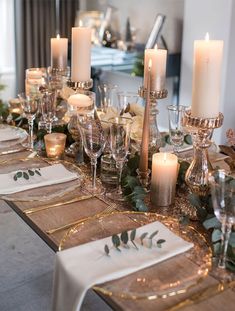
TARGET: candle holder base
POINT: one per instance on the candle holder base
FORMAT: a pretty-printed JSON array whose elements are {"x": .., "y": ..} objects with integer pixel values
[
  {"x": 80, "y": 85},
  {"x": 201, "y": 130},
  {"x": 144, "y": 179}
]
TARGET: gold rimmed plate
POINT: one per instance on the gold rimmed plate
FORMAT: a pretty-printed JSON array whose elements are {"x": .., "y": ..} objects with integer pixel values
[
  {"x": 18, "y": 135},
  {"x": 44, "y": 193},
  {"x": 171, "y": 277}
]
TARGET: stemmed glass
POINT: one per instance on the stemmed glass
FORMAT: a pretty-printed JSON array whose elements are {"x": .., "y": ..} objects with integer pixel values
[
  {"x": 93, "y": 142},
  {"x": 125, "y": 99},
  {"x": 48, "y": 109},
  {"x": 175, "y": 114},
  {"x": 108, "y": 96},
  {"x": 120, "y": 129},
  {"x": 30, "y": 108},
  {"x": 223, "y": 199}
]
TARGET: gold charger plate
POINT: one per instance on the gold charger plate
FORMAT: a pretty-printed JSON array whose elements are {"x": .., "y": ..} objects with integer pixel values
[
  {"x": 44, "y": 193},
  {"x": 173, "y": 276}
]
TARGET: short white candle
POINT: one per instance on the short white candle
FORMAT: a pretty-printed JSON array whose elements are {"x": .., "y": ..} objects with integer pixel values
[
  {"x": 79, "y": 103},
  {"x": 81, "y": 54},
  {"x": 59, "y": 52},
  {"x": 158, "y": 70},
  {"x": 206, "y": 78},
  {"x": 164, "y": 176}
]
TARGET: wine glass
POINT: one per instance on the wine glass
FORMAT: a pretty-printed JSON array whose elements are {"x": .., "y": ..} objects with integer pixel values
[
  {"x": 93, "y": 142},
  {"x": 108, "y": 96},
  {"x": 175, "y": 114},
  {"x": 120, "y": 129},
  {"x": 125, "y": 99},
  {"x": 48, "y": 107},
  {"x": 223, "y": 199},
  {"x": 30, "y": 108}
]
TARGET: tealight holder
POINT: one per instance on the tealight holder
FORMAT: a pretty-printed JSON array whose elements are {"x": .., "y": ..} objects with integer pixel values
[
  {"x": 155, "y": 136},
  {"x": 201, "y": 130},
  {"x": 55, "y": 145}
]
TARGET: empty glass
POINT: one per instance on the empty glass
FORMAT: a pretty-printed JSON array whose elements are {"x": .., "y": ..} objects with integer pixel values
[
  {"x": 125, "y": 99},
  {"x": 108, "y": 96},
  {"x": 30, "y": 108},
  {"x": 175, "y": 114},
  {"x": 120, "y": 129},
  {"x": 93, "y": 142},
  {"x": 223, "y": 200},
  {"x": 48, "y": 108}
]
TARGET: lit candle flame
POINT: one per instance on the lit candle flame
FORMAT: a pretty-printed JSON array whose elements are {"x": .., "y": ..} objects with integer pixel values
[
  {"x": 58, "y": 36},
  {"x": 207, "y": 37},
  {"x": 80, "y": 23},
  {"x": 164, "y": 158},
  {"x": 155, "y": 46},
  {"x": 150, "y": 64}
]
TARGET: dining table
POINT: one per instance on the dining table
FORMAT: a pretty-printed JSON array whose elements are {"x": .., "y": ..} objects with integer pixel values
[{"x": 51, "y": 224}]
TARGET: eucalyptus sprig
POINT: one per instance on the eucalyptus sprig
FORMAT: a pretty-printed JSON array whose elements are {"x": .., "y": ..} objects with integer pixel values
[
  {"x": 26, "y": 174},
  {"x": 122, "y": 240}
]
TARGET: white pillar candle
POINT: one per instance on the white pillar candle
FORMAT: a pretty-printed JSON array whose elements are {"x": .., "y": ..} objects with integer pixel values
[
  {"x": 81, "y": 54},
  {"x": 206, "y": 78},
  {"x": 79, "y": 103},
  {"x": 158, "y": 70},
  {"x": 59, "y": 52},
  {"x": 164, "y": 176}
]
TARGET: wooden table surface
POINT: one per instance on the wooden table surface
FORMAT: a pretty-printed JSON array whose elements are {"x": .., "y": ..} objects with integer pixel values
[{"x": 44, "y": 220}]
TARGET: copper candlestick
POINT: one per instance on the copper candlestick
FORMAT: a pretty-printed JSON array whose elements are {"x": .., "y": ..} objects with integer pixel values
[{"x": 201, "y": 130}]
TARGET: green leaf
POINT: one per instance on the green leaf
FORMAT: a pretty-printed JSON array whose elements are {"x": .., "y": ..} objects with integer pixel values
[
  {"x": 116, "y": 241},
  {"x": 106, "y": 249},
  {"x": 133, "y": 234},
  {"x": 232, "y": 239},
  {"x": 26, "y": 176},
  {"x": 124, "y": 237},
  {"x": 150, "y": 243},
  {"x": 15, "y": 177},
  {"x": 31, "y": 173},
  {"x": 195, "y": 200},
  {"x": 216, "y": 249},
  {"x": 19, "y": 174},
  {"x": 216, "y": 235},
  {"x": 37, "y": 172},
  {"x": 140, "y": 206},
  {"x": 212, "y": 222},
  {"x": 160, "y": 242},
  {"x": 188, "y": 139},
  {"x": 134, "y": 244},
  {"x": 142, "y": 237},
  {"x": 153, "y": 234}
]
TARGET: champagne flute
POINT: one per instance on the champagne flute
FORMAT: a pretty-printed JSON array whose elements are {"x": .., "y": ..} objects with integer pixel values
[
  {"x": 120, "y": 129},
  {"x": 30, "y": 108},
  {"x": 223, "y": 199},
  {"x": 175, "y": 114},
  {"x": 93, "y": 142},
  {"x": 48, "y": 106}
]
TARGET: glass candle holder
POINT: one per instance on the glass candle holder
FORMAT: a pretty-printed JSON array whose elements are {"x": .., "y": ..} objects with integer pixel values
[{"x": 55, "y": 145}]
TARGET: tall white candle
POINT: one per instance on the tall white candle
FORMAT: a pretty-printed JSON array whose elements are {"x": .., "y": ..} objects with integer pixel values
[
  {"x": 164, "y": 176},
  {"x": 81, "y": 54},
  {"x": 206, "y": 78},
  {"x": 59, "y": 52},
  {"x": 158, "y": 70}
]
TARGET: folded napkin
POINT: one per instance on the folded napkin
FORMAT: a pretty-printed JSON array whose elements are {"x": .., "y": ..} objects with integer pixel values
[
  {"x": 50, "y": 175},
  {"x": 79, "y": 268},
  {"x": 8, "y": 134}
]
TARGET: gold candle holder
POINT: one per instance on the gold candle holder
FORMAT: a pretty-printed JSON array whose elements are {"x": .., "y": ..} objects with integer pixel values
[
  {"x": 154, "y": 133},
  {"x": 201, "y": 130},
  {"x": 80, "y": 85},
  {"x": 55, "y": 145}
]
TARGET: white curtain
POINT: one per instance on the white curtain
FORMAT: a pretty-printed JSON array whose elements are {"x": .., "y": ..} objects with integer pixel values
[{"x": 7, "y": 48}]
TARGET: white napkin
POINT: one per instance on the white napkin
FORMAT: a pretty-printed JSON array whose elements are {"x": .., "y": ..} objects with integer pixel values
[
  {"x": 8, "y": 134},
  {"x": 50, "y": 175},
  {"x": 79, "y": 268}
]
